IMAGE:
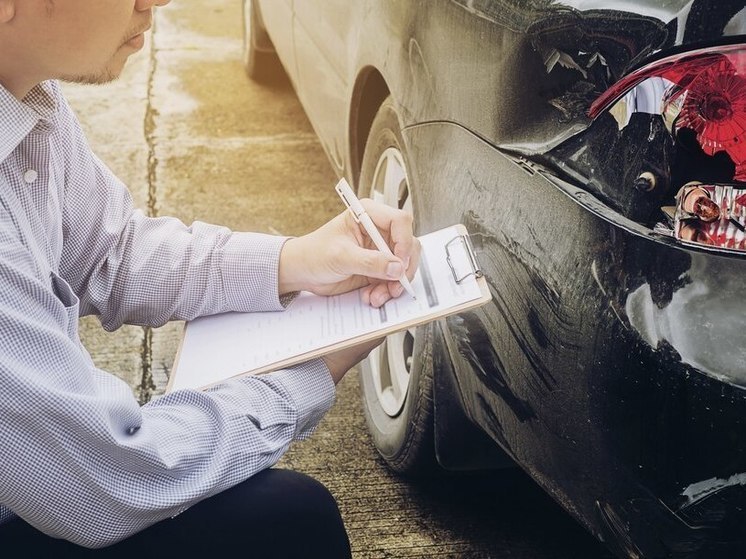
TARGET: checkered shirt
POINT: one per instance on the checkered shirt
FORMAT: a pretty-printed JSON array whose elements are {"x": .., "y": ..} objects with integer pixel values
[{"x": 79, "y": 458}]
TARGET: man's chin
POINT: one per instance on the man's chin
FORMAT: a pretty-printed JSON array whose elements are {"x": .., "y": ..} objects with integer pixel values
[
  {"x": 105, "y": 75},
  {"x": 92, "y": 79}
]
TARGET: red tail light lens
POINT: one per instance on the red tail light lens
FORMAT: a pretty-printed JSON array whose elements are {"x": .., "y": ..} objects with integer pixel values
[{"x": 704, "y": 91}]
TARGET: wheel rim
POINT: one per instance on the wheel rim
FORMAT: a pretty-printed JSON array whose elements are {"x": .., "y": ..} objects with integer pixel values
[
  {"x": 246, "y": 31},
  {"x": 390, "y": 363}
]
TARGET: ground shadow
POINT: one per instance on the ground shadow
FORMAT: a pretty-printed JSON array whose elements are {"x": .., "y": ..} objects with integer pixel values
[{"x": 499, "y": 510}]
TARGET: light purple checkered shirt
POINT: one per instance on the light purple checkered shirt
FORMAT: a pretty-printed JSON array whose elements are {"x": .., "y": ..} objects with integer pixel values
[{"x": 79, "y": 458}]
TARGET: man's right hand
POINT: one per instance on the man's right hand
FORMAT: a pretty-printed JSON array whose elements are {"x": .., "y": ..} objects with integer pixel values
[{"x": 338, "y": 256}]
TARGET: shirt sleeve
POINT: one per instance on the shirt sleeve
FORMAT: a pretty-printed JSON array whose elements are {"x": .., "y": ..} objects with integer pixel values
[
  {"x": 129, "y": 268},
  {"x": 81, "y": 460}
]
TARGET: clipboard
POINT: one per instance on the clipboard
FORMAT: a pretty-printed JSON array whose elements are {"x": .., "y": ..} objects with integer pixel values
[{"x": 215, "y": 348}]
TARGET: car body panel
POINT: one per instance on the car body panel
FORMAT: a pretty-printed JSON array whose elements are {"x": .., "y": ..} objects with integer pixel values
[{"x": 325, "y": 86}]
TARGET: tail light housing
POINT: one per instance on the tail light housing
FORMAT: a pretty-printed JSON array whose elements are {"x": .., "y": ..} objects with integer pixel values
[
  {"x": 667, "y": 127},
  {"x": 703, "y": 91}
]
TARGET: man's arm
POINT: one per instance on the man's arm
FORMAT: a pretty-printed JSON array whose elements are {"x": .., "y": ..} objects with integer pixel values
[
  {"x": 83, "y": 461},
  {"x": 129, "y": 268}
]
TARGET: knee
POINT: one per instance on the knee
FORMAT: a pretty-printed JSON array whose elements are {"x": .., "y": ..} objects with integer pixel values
[
  {"x": 300, "y": 495},
  {"x": 306, "y": 509}
]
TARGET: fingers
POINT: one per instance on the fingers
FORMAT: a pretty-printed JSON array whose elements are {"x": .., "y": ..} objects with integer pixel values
[
  {"x": 380, "y": 293},
  {"x": 377, "y": 294},
  {"x": 341, "y": 256},
  {"x": 372, "y": 263},
  {"x": 396, "y": 226}
]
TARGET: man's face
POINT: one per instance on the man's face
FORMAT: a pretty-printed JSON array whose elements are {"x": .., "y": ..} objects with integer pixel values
[
  {"x": 90, "y": 40},
  {"x": 85, "y": 41}
]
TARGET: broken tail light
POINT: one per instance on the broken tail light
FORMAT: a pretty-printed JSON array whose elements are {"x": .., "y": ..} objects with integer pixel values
[
  {"x": 711, "y": 214},
  {"x": 701, "y": 97}
]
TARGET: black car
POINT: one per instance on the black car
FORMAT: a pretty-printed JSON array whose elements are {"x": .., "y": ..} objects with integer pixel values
[{"x": 596, "y": 152}]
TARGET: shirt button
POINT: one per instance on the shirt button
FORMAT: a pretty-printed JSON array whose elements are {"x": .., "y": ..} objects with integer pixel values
[{"x": 30, "y": 176}]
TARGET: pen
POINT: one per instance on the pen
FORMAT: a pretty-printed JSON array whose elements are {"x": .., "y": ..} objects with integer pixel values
[{"x": 361, "y": 216}]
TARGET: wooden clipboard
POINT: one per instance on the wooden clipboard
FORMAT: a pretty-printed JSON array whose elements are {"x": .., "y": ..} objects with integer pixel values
[{"x": 216, "y": 348}]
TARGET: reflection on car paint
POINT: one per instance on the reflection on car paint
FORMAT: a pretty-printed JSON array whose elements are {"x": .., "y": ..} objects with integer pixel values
[
  {"x": 698, "y": 325},
  {"x": 702, "y": 489}
]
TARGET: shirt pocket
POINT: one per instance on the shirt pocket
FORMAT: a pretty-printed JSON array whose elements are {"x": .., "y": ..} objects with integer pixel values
[{"x": 69, "y": 300}]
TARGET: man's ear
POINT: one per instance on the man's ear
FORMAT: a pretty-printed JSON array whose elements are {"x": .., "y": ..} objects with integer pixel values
[{"x": 7, "y": 10}]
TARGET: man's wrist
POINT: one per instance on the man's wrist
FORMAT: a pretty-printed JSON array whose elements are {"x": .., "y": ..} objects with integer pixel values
[{"x": 288, "y": 278}]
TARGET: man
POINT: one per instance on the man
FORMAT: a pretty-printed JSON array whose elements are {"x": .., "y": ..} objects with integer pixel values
[{"x": 82, "y": 465}]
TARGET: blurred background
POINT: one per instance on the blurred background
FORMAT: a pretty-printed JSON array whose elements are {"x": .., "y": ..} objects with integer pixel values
[{"x": 193, "y": 137}]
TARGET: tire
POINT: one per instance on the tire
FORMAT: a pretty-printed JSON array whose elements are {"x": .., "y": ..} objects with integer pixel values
[
  {"x": 259, "y": 58},
  {"x": 397, "y": 377}
]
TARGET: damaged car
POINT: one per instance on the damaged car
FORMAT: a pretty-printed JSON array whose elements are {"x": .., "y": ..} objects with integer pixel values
[{"x": 596, "y": 152}]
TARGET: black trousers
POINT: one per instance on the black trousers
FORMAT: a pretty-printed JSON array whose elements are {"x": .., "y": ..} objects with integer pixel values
[{"x": 275, "y": 514}]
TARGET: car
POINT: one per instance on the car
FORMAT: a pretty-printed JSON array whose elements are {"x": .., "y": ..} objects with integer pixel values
[{"x": 596, "y": 152}]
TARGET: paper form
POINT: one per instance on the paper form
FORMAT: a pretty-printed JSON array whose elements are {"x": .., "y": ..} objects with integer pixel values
[{"x": 221, "y": 346}]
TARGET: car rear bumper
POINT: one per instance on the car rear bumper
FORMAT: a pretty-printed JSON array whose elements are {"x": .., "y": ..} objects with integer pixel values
[{"x": 608, "y": 363}]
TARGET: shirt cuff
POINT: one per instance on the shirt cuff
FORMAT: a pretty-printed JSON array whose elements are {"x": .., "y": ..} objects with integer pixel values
[
  {"x": 312, "y": 390},
  {"x": 250, "y": 268}
]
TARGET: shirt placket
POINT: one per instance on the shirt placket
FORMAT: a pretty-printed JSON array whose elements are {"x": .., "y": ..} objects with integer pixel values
[{"x": 35, "y": 181}]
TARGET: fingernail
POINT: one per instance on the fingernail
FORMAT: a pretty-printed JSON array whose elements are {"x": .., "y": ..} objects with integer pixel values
[{"x": 394, "y": 270}]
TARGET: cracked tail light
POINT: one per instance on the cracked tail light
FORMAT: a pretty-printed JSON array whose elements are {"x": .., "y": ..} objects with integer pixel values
[
  {"x": 701, "y": 96},
  {"x": 703, "y": 90}
]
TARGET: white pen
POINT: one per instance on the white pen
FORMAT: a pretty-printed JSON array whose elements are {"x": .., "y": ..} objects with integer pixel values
[{"x": 361, "y": 216}]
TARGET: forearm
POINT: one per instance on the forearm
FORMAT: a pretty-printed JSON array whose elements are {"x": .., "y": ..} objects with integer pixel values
[
  {"x": 160, "y": 270},
  {"x": 126, "y": 267}
]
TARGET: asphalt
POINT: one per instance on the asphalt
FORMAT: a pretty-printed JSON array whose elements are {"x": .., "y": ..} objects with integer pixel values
[{"x": 192, "y": 137}]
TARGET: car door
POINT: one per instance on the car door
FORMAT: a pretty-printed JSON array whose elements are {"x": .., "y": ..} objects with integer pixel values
[{"x": 324, "y": 35}]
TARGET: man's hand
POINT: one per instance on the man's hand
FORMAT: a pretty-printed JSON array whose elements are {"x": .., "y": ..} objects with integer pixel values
[
  {"x": 339, "y": 257},
  {"x": 341, "y": 361}
]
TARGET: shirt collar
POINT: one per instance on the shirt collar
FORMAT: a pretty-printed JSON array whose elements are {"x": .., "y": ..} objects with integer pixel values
[{"x": 18, "y": 118}]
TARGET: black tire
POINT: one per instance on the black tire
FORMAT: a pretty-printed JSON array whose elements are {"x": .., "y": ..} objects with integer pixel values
[
  {"x": 259, "y": 58},
  {"x": 405, "y": 439}
]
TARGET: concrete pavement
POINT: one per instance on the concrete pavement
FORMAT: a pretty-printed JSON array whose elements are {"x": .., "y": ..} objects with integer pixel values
[{"x": 194, "y": 138}]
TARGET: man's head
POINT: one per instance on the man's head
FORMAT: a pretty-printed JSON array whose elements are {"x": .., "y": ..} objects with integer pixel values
[{"x": 85, "y": 41}]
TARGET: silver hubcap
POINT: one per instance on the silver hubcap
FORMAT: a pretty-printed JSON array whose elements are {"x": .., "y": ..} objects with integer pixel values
[{"x": 390, "y": 362}]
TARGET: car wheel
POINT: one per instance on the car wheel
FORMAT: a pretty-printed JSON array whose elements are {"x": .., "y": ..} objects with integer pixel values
[
  {"x": 259, "y": 59},
  {"x": 397, "y": 377}
]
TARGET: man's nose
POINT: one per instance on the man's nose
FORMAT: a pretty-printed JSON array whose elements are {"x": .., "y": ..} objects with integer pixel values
[{"x": 143, "y": 5}]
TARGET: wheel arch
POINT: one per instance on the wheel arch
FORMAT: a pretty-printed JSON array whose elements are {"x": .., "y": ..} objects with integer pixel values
[
  {"x": 455, "y": 442},
  {"x": 368, "y": 94}
]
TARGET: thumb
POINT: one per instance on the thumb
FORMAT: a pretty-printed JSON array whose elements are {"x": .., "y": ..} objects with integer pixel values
[{"x": 376, "y": 264}]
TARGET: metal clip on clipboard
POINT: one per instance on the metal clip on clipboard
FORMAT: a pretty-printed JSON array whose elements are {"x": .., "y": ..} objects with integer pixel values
[{"x": 472, "y": 268}]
